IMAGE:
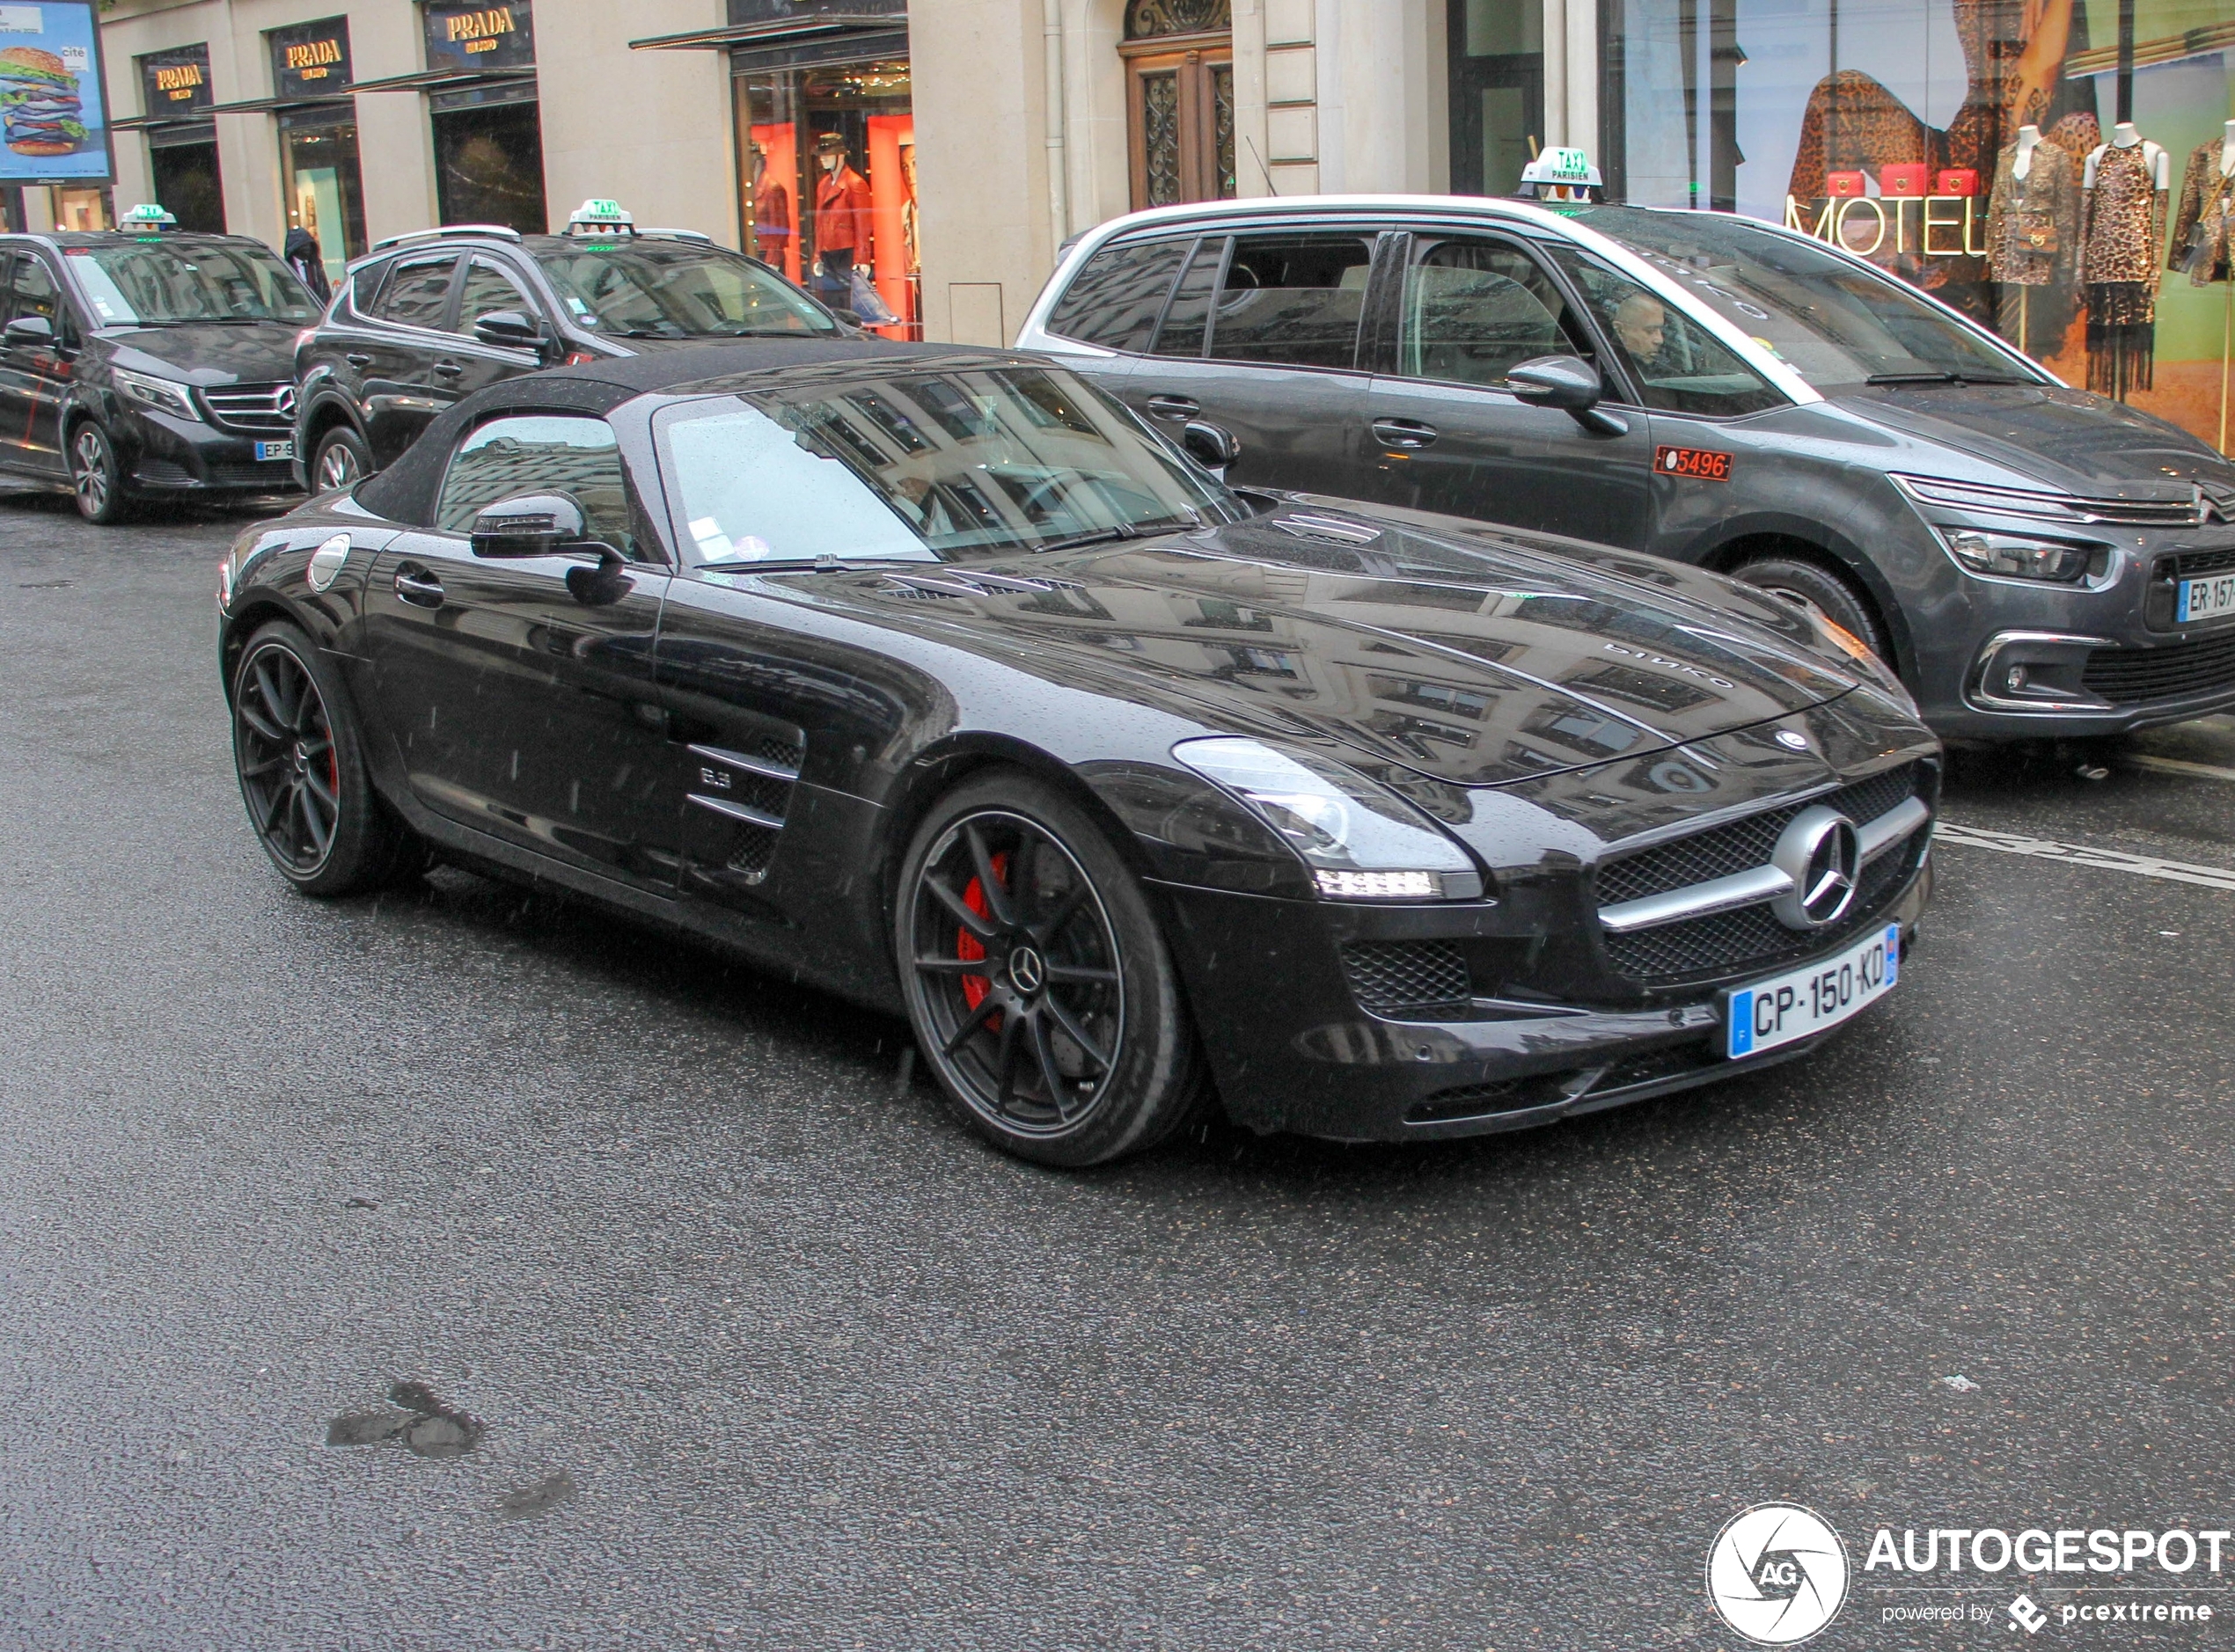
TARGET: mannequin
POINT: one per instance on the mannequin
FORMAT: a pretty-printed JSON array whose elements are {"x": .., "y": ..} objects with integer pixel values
[
  {"x": 2204, "y": 239},
  {"x": 2032, "y": 239},
  {"x": 771, "y": 213},
  {"x": 843, "y": 227},
  {"x": 2123, "y": 225}
]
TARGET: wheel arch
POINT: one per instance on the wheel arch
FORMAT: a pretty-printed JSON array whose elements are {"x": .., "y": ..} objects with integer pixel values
[
  {"x": 251, "y": 614},
  {"x": 1836, "y": 556},
  {"x": 325, "y": 411}
]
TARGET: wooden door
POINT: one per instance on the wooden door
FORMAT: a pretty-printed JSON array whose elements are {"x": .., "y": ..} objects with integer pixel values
[{"x": 1179, "y": 103}]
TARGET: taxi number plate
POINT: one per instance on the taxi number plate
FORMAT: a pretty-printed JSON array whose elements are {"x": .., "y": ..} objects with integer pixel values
[
  {"x": 1807, "y": 1001},
  {"x": 2206, "y": 599},
  {"x": 1701, "y": 464},
  {"x": 274, "y": 450}
]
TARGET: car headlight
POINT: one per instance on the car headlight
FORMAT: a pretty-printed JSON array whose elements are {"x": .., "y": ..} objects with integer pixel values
[
  {"x": 2012, "y": 556},
  {"x": 163, "y": 395},
  {"x": 1361, "y": 840}
]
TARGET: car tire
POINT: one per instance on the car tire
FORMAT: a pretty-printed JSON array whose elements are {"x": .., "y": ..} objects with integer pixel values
[
  {"x": 95, "y": 477},
  {"x": 1074, "y": 1047},
  {"x": 300, "y": 759},
  {"x": 342, "y": 460},
  {"x": 1810, "y": 585}
]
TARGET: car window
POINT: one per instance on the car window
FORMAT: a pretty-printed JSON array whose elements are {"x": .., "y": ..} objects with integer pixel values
[
  {"x": 33, "y": 293},
  {"x": 154, "y": 283},
  {"x": 415, "y": 291},
  {"x": 1114, "y": 300},
  {"x": 677, "y": 289},
  {"x": 1474, "y": 310},
  {"x": 922, "y": 467},
  {"x": 7, "y": 296},
  {"x": 1294, "y": 300},
  {"x": 490, "y": 287},
  {"x": 540, "y": 453},
  {"x": 1678, "y": 365},
  {"x": 1187, "y": 318}
]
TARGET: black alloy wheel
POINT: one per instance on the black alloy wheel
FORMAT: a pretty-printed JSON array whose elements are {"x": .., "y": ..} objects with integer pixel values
[
  {"x": 342, "y": 461},
  {"x": 303, "y": 774},
  {"x": 94, "y": 477},
  {"x": 1037, "y": 979},
  {"x": 1818, "y": 591}
]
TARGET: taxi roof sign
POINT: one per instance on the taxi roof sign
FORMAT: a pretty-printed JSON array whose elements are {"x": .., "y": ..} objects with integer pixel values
[
  {"x": 1562, "y": 166},
  {"x": 599, "y": 214},
  {"x": 147, "y": 215}
]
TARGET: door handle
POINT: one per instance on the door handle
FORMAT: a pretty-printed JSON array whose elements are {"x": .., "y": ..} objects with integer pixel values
[
  {"x": 1405, "y": 435},
  {"x": 448, "y": 369},
  {"x": 419, "y": 587},
  {"x": 1174, "y": 407},
  {"x": 355, "y": 360}
]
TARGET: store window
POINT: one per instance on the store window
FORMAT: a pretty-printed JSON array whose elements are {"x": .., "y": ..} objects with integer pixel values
[
  {"x": 1497, "y": 93},
  {"x": 1179, "y": 101},
  {"x": 828, "y": 174},
  {"x": 2059, "y": 170},
  {"x": 182, "y": 139},
  {"x": 319, "y": 177},
  {"x": 488, "y": 137},
  {"x": 83, "y": 210}
]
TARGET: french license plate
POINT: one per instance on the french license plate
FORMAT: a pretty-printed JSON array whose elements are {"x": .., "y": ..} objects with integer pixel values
[
  {"x": 1806, "y": 1001},
  {"x": 274, "y": 450},
  {"x": 2206, "y": 599}
]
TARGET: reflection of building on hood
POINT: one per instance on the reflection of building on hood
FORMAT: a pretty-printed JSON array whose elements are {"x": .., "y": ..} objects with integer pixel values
[{"x": 39, "y": 104}]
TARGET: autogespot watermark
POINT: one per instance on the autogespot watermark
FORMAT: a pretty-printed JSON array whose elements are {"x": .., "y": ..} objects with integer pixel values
[{"x": 1778, "y": 1575}]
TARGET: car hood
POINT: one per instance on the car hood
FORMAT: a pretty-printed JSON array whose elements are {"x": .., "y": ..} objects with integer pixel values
[
  {"x": 215, "y": 353},
  {"x": 1476, "y": 657},
  {"x": 2070, "y": 439}
]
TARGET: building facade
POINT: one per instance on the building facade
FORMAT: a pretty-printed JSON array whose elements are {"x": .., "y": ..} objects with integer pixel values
[{"x": 972, "y": 137}]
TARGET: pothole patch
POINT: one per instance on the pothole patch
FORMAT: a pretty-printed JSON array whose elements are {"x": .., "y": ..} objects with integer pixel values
[{"x": 417, "y": 1419}]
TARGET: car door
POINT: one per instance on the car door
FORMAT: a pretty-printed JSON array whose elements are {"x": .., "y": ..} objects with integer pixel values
[
  {"x": 518, "y": 694},
  {"x": 400, "y": 350},
  {"x": 1444, "y": 433},
  {"x": 34, "y": 381},
  {"x": 1262, "y": 336},
  {"x": 467, "y": 364}
]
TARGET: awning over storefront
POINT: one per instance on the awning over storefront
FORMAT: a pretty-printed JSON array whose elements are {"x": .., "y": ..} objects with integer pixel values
[
  {"x": 445, "y": 80},
  {"x": 777, "y": 32}
]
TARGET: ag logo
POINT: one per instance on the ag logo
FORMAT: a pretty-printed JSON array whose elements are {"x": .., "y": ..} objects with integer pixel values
[{"x": 1777, "y": 1574}]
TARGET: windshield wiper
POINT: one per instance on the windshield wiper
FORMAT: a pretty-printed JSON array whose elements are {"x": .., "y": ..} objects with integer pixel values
[
  {"x": 1124, "y": 531},
  {"x": 794, "y": 565},
  {"x": 653, "y": 333},
  {"x": 1944, "y": 378}
]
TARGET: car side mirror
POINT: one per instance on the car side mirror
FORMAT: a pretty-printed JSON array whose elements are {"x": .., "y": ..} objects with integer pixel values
[
  {"x": 509, "y": 329},
  {"x": 1211, "y": 446},
  {"x": 1570, "y": 383},
  {"x": 536, "y": 526},
  {"x": 30, "y": 333}
]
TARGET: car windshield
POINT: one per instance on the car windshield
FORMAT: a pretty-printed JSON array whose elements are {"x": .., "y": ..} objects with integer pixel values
[
  {"x": 153, "y": 283},
  {"x": 924, "y": 466},
  {"x": 672, "y": 289},
  {"x": 1832, "y": 321}
]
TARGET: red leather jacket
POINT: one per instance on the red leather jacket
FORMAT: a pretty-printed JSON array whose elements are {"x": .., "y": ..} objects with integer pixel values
[{"x": 842, "y": 214}]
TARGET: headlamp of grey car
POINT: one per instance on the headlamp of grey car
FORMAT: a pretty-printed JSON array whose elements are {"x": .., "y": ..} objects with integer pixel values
[
  {"x": 1361, "y": 840},
  {"x": 2010, "y": 556}
]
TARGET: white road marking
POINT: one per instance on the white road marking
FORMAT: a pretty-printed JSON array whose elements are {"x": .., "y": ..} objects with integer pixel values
[
  {"x": 2177, "y": 765},
  {"x": 2079, "y": 854}
]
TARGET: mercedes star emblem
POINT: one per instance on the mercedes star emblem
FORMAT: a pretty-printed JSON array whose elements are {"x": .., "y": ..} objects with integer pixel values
[{"x": 1820, "y": 853}]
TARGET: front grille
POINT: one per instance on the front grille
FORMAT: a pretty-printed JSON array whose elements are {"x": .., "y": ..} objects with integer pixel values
[
  {"x": 2191, "y": 564},
  {"x": 262, "y": 410},
  {"x": 2174, "y": 671},
  {"x": 1743, "y": 844},
  {"x": 753, "y": 850},
  {"x": 1751, "y": 937},
  {"x": 1408, "y": 977},
  {"x": 774, "y": 749}
]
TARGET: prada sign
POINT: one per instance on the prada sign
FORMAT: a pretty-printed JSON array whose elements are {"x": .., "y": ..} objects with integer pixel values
[
  {"x": 174, "y": 85},
  {"x": 310, "y": 60},
  {"x": 480, "y": 34}
]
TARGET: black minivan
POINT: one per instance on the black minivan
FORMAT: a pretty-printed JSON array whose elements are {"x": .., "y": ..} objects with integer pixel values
[
  {"x": 2035, "y": 559},
  {"x": 147, "y": 364}
]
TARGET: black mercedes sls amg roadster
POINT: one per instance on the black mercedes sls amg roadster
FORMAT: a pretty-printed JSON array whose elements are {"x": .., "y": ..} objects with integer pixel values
[{"x": 934, "y": 677}]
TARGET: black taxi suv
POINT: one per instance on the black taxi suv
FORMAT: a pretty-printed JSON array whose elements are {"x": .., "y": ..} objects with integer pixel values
[
  {"x": 144, "y": 364},
  {"x": 436, "y": 315}
]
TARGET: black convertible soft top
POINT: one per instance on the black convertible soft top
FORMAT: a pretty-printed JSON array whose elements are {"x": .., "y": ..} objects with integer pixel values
[{"x": 406, "y": 491}]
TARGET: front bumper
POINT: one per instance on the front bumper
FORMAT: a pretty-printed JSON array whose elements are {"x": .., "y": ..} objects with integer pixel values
[
  {"x": 2027, "y": 660},
  {"x": 1313, "y": 1059},
  {"x": 163, "y": 458}
]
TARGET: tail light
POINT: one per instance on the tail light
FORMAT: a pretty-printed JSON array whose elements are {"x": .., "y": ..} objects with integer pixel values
[{"x": 578, "y": 358}]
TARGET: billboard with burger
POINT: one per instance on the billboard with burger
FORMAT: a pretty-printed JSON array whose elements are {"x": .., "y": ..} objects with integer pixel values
[{"x": 53, "y": 122}]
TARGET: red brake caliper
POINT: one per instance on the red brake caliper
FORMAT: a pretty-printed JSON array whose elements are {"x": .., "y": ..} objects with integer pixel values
[{"x": 967, "y": 946}]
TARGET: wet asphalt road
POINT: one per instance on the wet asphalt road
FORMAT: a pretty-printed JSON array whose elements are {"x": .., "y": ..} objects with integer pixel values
[{"x": 751, "y": 1348}]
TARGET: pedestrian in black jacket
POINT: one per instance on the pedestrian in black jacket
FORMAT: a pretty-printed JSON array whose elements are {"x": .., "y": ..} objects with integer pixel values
[{"x": 304, "y": 258}]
